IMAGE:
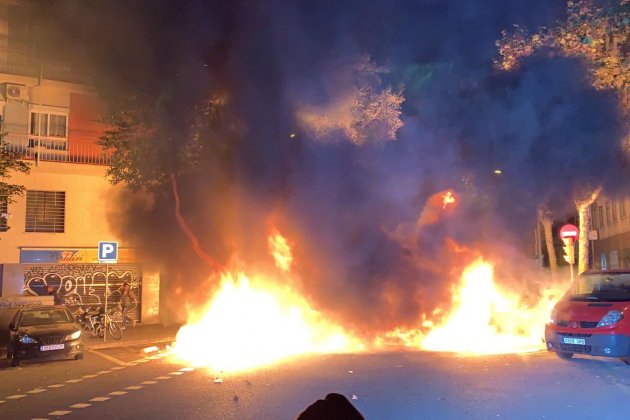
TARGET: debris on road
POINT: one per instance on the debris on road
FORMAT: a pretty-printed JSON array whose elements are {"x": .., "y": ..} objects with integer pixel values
[
  {"x": 218, "y": 380},
  {"x": 350, "y": 372},
  {"x": 235, "y": 398},
  {"x": 150, "y": 349}
]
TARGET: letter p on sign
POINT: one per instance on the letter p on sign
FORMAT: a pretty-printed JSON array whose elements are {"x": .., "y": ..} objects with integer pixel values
[{"x": 108, "y": 252}]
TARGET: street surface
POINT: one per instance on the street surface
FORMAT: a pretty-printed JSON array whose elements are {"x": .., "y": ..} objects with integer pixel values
[{"x": 124, "y": 383}]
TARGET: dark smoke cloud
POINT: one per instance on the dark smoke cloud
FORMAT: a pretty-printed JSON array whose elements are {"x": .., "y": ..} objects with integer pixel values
[{"x": 351, "y": 210}]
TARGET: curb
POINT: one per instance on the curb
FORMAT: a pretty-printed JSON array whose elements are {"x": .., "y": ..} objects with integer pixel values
[{"x": 114, "y": 344}]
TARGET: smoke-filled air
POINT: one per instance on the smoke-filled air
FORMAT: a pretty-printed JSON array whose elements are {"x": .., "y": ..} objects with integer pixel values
[{"x": 342, "y": 170}]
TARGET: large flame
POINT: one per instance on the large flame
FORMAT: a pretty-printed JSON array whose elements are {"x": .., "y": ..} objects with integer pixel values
[
  {"x": 253, "y": 321},
  {"x": 487, "y": 320}
]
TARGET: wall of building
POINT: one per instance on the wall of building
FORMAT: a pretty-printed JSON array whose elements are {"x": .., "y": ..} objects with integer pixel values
[
  {"x": 89, "y": 199},
  {"x": 612, "y": 222}
]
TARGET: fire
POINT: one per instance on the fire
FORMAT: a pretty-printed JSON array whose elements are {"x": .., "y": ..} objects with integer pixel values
[
  {"x": 487, "y": 320},
  {"x": 448, "y": 198},
  {"x": 251, "y": 323},
  {"x": 256, "y": 320},
  {"x": 280, "y": 249}
]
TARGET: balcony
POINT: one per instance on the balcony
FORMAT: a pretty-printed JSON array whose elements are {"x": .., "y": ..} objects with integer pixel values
[{"x": 54, "y": 149}]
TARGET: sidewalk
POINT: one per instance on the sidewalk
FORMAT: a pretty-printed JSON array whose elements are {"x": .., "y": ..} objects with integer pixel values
[{"x": 135, "y": 336}]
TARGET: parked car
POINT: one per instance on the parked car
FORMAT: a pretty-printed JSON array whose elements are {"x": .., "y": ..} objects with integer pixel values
[
  {"x": 44, "y": 332},
  {"x": 593, "y": 318}
]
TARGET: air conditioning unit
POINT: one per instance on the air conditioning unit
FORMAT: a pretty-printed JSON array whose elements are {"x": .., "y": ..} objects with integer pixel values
[{"x": 16, "y": 92}]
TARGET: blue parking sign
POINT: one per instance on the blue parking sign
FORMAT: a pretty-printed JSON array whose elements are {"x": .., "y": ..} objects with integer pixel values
[{"x": 107, "y": 252}]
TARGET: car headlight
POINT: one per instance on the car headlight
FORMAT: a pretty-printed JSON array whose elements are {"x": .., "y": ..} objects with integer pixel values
[
  {"x": 73, "y": 336},
  {"x": 611, "y": 318},
  {"x": 25, "y": 339}
]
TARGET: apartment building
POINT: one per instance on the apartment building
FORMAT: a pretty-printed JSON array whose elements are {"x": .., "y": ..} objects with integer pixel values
[
  {"x": 610, "y": 226},
  {"x": 49, "y": 237}
]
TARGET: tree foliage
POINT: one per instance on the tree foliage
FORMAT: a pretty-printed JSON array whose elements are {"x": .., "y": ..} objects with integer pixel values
[
  {"x": 367, "y": 111},
  {"x": 145, "y": 147},
  {"x": 597, "y": 34},
  {"x": 10, "y": 162}
]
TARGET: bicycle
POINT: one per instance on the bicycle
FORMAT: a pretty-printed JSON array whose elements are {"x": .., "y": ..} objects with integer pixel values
[{"x": 94, "y": 322}]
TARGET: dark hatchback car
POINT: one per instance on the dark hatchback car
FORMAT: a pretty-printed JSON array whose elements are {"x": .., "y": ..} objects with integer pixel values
[{"x": 44, "y": 332}]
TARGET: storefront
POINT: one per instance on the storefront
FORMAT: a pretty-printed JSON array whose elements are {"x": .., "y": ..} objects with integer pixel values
[{"x": 77, "y": 277}]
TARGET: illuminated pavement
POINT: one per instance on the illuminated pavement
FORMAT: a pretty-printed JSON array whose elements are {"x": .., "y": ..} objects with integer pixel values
[{"x": 122, "y": 383}]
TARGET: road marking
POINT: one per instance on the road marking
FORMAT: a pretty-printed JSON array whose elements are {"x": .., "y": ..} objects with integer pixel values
[
  {"x": 38, "y": 419},
  {"x": 134, "y": 387},
  {"x": 118, "y": 367},
  {"x": 187, "y": 369},
  {"x": 163, "y": 377},
  {"x": 99, "y": 399},
  {"x": 73, "y": 381},
  {"x": 118, "y": 393},
  {"x": 56, "y": 385},
  {"x": 2, "y": 402},
  {"x": 103, "y": 372},
  {"x": 37, "y": 390},
  {"x": 89, "y": 376},
  {"x": 16, "y": 397},
  {"x": 110, "y": 358},
  {"x": 176, "y": 373},
  {"x": 80, "y": 405},
  {"x": 59, "y": 413},
  {"x": 148, "y": 382}
]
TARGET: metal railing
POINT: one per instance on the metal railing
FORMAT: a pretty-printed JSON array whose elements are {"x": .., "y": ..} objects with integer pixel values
[{"x": 54, "y": 149}]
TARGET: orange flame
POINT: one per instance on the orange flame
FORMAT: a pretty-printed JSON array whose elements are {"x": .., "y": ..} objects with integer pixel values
[
  {"x": 448, "y": 198},
  {"x": 280, "y": 249},
  {"x": 487, "y": 320},
  {"x": 253, "y": 321}
]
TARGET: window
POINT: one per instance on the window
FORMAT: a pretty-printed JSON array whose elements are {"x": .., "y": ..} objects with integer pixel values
[
  {"x": 50, "y": 131},
  {"x": 3, "y": 214},
  {"x": 594, "y": 216},
  {"x": 622, "y": 208},
  {"x": 600, "y": 213},
  {"x": 48, "y": 125},
  {"x": 614, "y": 212},
  {"x": 45, "y": 211}
]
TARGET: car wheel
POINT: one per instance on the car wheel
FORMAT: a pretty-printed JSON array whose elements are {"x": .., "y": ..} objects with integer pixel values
[
  {"x": 564, "y": 356},
  {"x": 78, "y": 356}
]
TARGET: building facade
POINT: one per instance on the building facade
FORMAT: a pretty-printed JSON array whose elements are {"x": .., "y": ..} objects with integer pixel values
[
  {"x": 49, "y": 236},
  {"x": 610, "y": 226}
]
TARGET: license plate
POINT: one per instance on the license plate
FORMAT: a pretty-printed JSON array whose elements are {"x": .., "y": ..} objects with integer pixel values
[
  {"x": 51, "y": 347},
  {"x": 571, "y": 340}
]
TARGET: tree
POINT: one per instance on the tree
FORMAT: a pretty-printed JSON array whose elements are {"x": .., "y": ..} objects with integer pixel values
[
  {"x": 148, "y": 154},
  {"x": 10, "y": 163},
  {"x": 544, "y": 217},
  {"x": 600, "y": 35}
]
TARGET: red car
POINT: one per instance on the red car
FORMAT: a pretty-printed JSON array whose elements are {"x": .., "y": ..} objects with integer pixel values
[{"x": 593, "y": 318}]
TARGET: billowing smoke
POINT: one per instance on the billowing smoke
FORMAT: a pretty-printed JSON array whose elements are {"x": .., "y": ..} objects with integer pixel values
[{"x": 367, "y": 249}]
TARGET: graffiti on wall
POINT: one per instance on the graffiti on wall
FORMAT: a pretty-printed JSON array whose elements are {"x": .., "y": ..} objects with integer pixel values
[{"x": 82, "y": 284}]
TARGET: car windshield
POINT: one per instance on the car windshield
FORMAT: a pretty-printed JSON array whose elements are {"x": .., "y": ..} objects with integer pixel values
[
  {"x": 45, "y": 316},
  {"x": 602, "y": 287}
]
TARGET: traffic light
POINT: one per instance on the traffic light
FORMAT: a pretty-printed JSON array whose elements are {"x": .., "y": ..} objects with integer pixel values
[{"x": 569, "y": 252}]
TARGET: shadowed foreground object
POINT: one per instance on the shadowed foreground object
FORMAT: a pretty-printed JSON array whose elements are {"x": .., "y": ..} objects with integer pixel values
[{"x": 333, "y": 407}]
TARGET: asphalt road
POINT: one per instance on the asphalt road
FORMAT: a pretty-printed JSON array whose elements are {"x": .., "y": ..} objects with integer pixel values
[{"x": 124, "y": 384}]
